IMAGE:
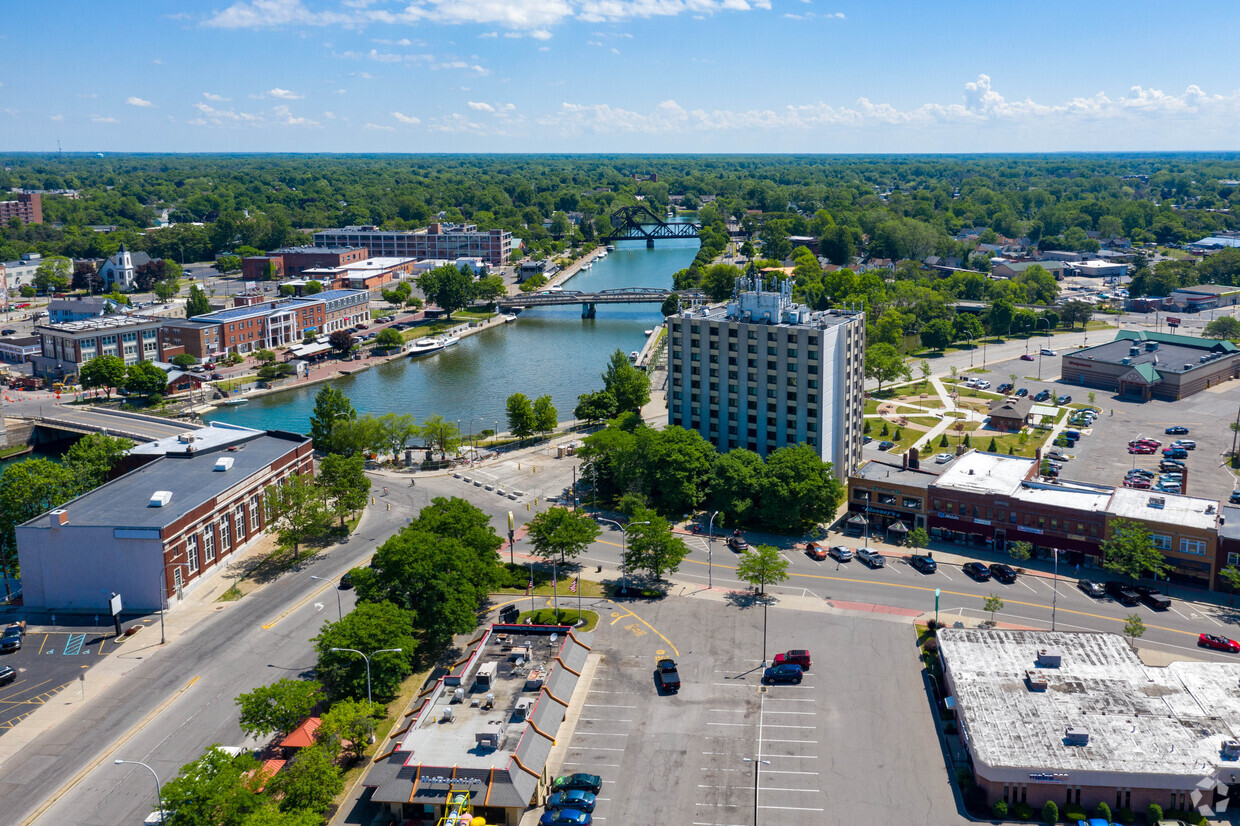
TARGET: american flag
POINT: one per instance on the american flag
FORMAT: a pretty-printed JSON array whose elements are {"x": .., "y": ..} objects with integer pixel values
[
  {"x": 529, "y": 589},
  {"x": 573, "y": 587}
]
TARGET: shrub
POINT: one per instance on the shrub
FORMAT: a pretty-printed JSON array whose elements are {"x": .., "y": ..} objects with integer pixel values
[
  {"x": 1074, "y": 812},
  {"x": 884, "y": 431},
  {"x": 993, "y": 447},
  {"x": 1102, "y": 810},
  {"x": 866, "y": 429},
  {"x": 966, "y": 441},
  {"x": 1153, "y": 813},
  {"x": 1022, "y": 811},
  {"x": 943, "y": 441},
  {"x": 1126, "y": 817},
  {"x": 999, "y": 809},
  {"x": 1050, "y": 812},
  {"x": 931, "y": 646},
  {"x": 1188, "y": 817},
  {"x": 932, "y": 626}
]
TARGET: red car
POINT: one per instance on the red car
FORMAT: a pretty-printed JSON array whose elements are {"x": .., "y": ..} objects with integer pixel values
[
  {"x": 1026, "y": 357},
  {"x": 1219, "y": 643},
  {"x": 1144, "y": 450},
  {"x": 816, "y": 551}
]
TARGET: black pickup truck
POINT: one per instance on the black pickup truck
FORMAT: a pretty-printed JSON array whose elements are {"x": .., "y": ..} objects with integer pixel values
[{"x": 669, "y": 677}]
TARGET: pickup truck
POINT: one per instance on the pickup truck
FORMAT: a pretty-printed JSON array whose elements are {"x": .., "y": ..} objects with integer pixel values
[{"x": 669, "y": 677}]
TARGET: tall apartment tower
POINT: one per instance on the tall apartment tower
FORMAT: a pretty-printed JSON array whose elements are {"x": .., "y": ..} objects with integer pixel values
[{"x": 762, "y": 373}]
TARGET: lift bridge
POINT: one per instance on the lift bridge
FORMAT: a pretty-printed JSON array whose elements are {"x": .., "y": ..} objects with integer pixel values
[{"x": 636, "y": 223}]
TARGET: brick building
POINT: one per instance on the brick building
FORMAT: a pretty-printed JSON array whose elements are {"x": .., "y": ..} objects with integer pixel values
[
  {"x": 433, "y": 241},
  {"x": 64, "y": 348},
  {"x": 1142, "y": 365},
  {"x": 27, "y": 208}
]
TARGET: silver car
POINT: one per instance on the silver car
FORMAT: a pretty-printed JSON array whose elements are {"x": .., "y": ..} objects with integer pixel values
[
  {"x": 871, "y": 557},
  {"x": 841, "y": 553}
]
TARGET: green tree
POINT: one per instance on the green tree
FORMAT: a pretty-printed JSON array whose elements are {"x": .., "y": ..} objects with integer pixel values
[
  {"x": 561, "y": 532},
  {"x": 440, "y": 434},
  {"x": 1231, "y": 576},
  {"x": 27, "y": 489},
  {"x": 837, "y": 245},
  {"x": 1130, "y": 551},
  {"x": 595, "y": 407},
  {"x": 348, "y": 721},
  {"x": 1000, "y": 316},
  {"x": 342, "y": 479},
  {"x": 105, "y": 371},
  {"x": 93, "y": 457},
  {"x": 165, "y": 289},
  {"x": 389, "y": 338},
  {"x": 268, "y": 814},
  {"x": 652, "y": 547},
  {"x": 278, "y": 707},
  {"x": 447, "y": 288},
  {"x": 370, "y": 627},
  {"x": 490, "y": 289},
  {"x": 1223, "y": 327},
  {"x": 53, "y": 274},
  {"x": 217, "y": 789},
  {"x": 546, "y": 419},
  {"x": 918, "y": 538},
  {"x": 197, "y": 303},
  {"x": 719, "y": 281},
  {"x": 1050, "y": 812},
  {"x": 228, "y": 263},
  {"x": 295, "y": 511},
  {"x": 265, "y": 356},
  {"x": 330, "y": 406},
  {"x": 398, "y": 429},
  {"x": 341, "y": 341},
  {"x": 184, "y": 361},
  {"x": 1134, "y": 628},
  {"x": 1020, "y": 551},
  {"x": 924, "y": 367},
  {"x": 522, "y": 421},
  {"x": 733, "y": 485},
  {"x": 309, "y": 782},
  {"x": 145, "y": 379},
  {"x": 937, "y": 334},
  {"x": 629, "y": 386},
  {"x": 797, "y": 490},
  {"x": 992, "y": 605},
  {"x": 670, "y": 306},
  {"x": 883, "y": 363},
  {"x": 454, "y": 518},
  {"x": 762, "y": 565}
]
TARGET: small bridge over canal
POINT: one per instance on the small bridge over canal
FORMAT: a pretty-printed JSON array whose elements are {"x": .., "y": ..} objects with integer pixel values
[
  {"x": 588, "y": 301},
  {"x": 638, "y": 223}
]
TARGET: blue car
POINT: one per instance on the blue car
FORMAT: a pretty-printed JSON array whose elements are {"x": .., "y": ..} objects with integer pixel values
[
  {"x": 782, "y": 673},
  {"x": 573, "y": 799},
  {"x": 565, "y": 817}
]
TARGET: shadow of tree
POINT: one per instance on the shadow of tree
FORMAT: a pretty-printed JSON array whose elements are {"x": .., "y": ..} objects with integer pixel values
[{"x": 748, "y": 599}]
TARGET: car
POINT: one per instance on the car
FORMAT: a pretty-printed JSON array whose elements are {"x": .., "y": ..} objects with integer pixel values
[
  {"x": 11, "y": 640},
  {"x": 1153, "y": 597},
  {"x": 591, "y": 783},
  {"x": 1073, "y": 434},
  {"x": 1164, "y": 488},
  {"x": 216, "y": 377},
  {"x": 841, "y": 553},
  {"x": 943, "y": 458},
  {"x": 1063, "y": 399},
  {"x": 796, "y": 656},
  {"x": 737, "y": 543},
  {"x": 1234, "y": 499},
  {"x": 1171, "y": 464},
  {"x": 1177, "y": 430},
  {"x": 865, "y": 440},
  {"x": 8, "y": 332},
  {"x": 669, "y": 677},
  {"x": 1219, "y": 643},
  {"x": 1187, "y": 444},
  {"x": 1046, "y": 351},
  {"x": 1005, "y": 387},
  {"x": 7, "y": 674},
  {"x": 1140, "y": 442},
  {"x": 565, "y": 817},
  {"x": 1142, "y": 450},
  {"x": 573, "y": 799},
  {"x": 1058, "y": 456},
  {"x": 977, "y": 570},
  {"x": 1138, "y": 483},
  {"x": 982, "y": 384},
  {"x": 1140, "y": 471},
  {"x": 815, "y": 551},
  {"x": 872, "y": 558},
  {"x": 923, "y": 563},
  {"x": 783, "y": 673},
  {"x": 1175, "y": 453},
  {"x": 1026, "y": 357},
  {"x": 346, "y": 581},
  {"x": 1022, "y": 392},
  {"x": 1004, "y": 573},
  {"x": 1042, "y": 396},
  {"x": 1122, "y": 593},
  {"x": 1091, "y": 588},
  {"x": 886, "y": 444}
]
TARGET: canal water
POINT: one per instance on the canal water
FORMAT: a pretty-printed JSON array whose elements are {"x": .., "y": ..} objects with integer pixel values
[{"x": 547, "y": 350}]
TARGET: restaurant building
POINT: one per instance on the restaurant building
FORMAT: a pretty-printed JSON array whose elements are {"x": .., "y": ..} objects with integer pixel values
[{"x": 888, "y": 500}]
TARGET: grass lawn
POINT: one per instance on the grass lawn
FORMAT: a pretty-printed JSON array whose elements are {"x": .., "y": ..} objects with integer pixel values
[
  {"x": 546, "y": 616},
  {"x": 981, "y": 441},
  {"x": 927, "y": 422},
  {"x": 472, "y": 315},
  {"x": 229, "y": 385},
  {"x": 589, "y": 588}
]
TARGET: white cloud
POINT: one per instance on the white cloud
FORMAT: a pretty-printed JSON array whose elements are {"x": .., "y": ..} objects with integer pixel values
[
  {"x": 388, "y": 57},
  {"x": 461, "y": 64},
  {"x": 102, "y": 119},
  {"x": 379, "y": 127},
  {"x": 211, "y": 115},
  {"x": 614, "y": 50},
  {"x": 409, "y": 119},
  {"x": 214, "y": 97},
  {"x": 284, "y": 94},
  {"x": 139, "y": 102},
  {"x": 56, "y": 117},
  {"x": 489, "y": 34},
  {"x": 287, "y": 118},
  {"x": 158, "y": 62},
  {"x": 481, "y": 107},
  {"x": 457, "y": 123},
  {"x": 268, "y": 14},
  {"x": 329, "y": 115}
]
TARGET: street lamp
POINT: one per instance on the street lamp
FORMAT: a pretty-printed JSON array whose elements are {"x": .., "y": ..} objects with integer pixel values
[
  {"x": 710, "y": 550},
  {"x": 339, "y": 609},
  {"x": 1048, "y": 341},
  {"x": 369, "y": 703},
  {"x": 970, "y": 335},
  {"x": 624, "y": 535},
  {"x": 1055, "y": 590},
  {"x": 159, "y": 792},
  {"x": 756, "y": 762},
  {"x": 163, "y": 589}
]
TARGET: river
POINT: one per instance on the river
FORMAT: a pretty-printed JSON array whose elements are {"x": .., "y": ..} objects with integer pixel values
[{"x": 548, "y": 350}]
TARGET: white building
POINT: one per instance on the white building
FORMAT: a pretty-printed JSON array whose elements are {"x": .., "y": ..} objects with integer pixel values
[
  {"x": 1098, "y": 268},
  {"x": 763, "y": 373},
  {"x": 121, "y": 269}
]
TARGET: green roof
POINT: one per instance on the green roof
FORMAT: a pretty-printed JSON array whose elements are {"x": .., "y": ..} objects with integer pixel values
[
  {"x": 1183, "y": 341},
  {"x": 1148, "y": 373}
]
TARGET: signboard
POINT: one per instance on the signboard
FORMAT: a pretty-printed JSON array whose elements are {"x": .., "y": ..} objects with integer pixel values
[
  {"x": 1173, "y": 321},
  {"x": 114, "y": 604},
  {"x": 1048, "y": 777},
  {"x": 445, "y": 783}
]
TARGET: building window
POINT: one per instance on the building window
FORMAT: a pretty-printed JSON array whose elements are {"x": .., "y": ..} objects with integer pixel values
[
  {"x": 1161, "y": 541},
  {"x": 1233, "y": 559},
  {"x": 191, "y": 553},
  {"x": 912, "y": 504},
  {"x": 225, "y": 533},
  {"x": 208, "y": 541},
  {"x": 239, "y": 520},
  {"x": 1192, "y": 546},
  {"x": 254, "y": 513}
]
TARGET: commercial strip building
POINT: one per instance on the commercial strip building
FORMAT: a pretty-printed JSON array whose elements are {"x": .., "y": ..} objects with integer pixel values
[
  {"x": 291, "y": 262},
  {"x": 485, "y": 729},
  {"x": 1079, "y": 718},
  {"x": 64, "y": 348},
  {"x": 162, "y": 527},
  {"x": 27, "y": 208},
  {"x": 762, "y": 373},
  {"x": 449, "y": 241},
  {"x": 370, "y": 274},
  {"x": 1203, "y": 297},
  {"x": 888, "y": 500},
  {"x": 19, "y": 349},
  {"x": 1141, "y": 366}
]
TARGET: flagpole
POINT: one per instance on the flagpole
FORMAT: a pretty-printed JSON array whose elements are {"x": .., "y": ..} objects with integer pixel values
[
  {"x": 531, "y": 592},
  {"x": 578, "y": 583},
  {"x": 555, "y": 592}
]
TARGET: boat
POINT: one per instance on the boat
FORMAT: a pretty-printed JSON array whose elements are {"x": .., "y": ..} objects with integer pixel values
[
  {"x": 511, "y": 317},
  {"x": 611, "y": 247},
  {"x": 633, "y": 355},
  {"x": 648, "y": 332},
  {"x": 235, "y": 402},
  {"x": 424, "y": 347},
  {"x": 448, "y": 341}
]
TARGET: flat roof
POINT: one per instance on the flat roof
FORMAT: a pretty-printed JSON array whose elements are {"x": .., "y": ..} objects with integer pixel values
[
  {"x": 99, "y": 323},
  {"x": 1170, "y": 357},
  {"x": 875, "y": 471},
  {"x": 1229, "y": 522},
  {"x": 986, "y": 473},
  {"x": 1079, "y": 496},
  {"x": 1208, "y": 289},
  {"x": 313, "y": 250},
  {"x": 1163, "y": 723},
  {"x": 1169, "y": 508}
]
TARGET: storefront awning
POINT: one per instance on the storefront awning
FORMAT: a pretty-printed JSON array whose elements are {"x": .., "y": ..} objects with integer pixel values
[
  {"x": 857, "y": 519},
  {"x": 898, "y": 527}
]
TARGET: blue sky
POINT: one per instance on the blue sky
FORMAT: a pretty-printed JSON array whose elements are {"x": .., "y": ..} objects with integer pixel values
[{"x": 619, "y": 76}]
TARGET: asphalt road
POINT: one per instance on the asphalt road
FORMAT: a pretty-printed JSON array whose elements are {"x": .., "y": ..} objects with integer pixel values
[{"x": 46, "y": 663}]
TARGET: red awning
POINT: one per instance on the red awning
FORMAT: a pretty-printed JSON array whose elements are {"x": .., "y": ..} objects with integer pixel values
[{"x": 302, "y": 736}]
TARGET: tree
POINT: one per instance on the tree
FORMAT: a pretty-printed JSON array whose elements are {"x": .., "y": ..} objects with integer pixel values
[
  {"x": 309, "y": 782},
  {"x": 389, "y": 338},
  {"x": 29, "y": 488},
  {"x": 924, "y": 367},
  {"x": 918, "y": 538},
  {"x": 396, "y": 430},
  {"x": 719, "y": 281},
  {"x": 1020, "y": 551},
  {"x": 330, "y": 405},
  {"x": 368, "y": 628},
  {"x": 440, "y": 434},
  {"x": 295, "y": 511},
  {"x": 595, "y": 407},
  {"x": 314, "y": 287},
  {"x": 268, "y": 814},
  {"x": 145, "y": 379},
  {"x": 966, "y": 325},
  {"x": 1050, "y": 812},
  {"x": 342, "y": 479},
  {"x": 490, "y": 289},
  {"x": 1133, "y": 628},
  {"x": 937, "y": 334},
  {"x": 1231, "y": 576},
  {"x": 228, "y": 263},
  {"x": 733, "y": 485},
  {"x": 629, "y": 386},
  {"x": 1130, "y": 551},
  {"x": 278, "y": 707},
  {"x": 217, "y": 789},
  {"x": 837, "y": 245},
  {"x": 92, "y": 458},
  {"x": 762, "y": 565},
  {"x": 184, "y": 361},
  {"x": 197, "y": 303},
  {"x": 797, "y": 490},
  {"x": 448, "y": 288},
  {"x": 462, "y": 521},
  {"x": 348, "y": 721},
  {"x": 1223, "y": 327},
  {"x": 522, "y": 421},
  {"x": 53, "y": 274},
  {"x": 992, "y": 605},
  {"x": 561, "y": 532},
  {"x": 341, "y": 341},
  {"x": 105, "y": 371},
  {"x": 545, "y": 417},
  {"x": 264, "y": 356},
  {"x": 883, "y": 363},
  {"x": 652, "y": 547},
  {"x": 670, "y": 305},
  {"x": 1000, "y": 316},
  {"x": 85, "y": 277}
]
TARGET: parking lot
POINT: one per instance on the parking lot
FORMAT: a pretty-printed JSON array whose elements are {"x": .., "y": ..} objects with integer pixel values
[
  {"x": 855, "y": 737},
  {"x": 46, "y": 663}
]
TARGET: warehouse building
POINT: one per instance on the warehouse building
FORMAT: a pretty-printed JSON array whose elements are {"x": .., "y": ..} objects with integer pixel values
[{"x": 1141, "y": 366}]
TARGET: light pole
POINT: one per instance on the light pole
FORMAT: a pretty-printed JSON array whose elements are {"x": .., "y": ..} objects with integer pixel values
[
  {"x": 163, "y": 590},
  {"x": 1048, "y": 341},
  {"x": 710, "y": 551},
  {"x": 159, "y": 792},
  {"x": 756, "y": 762},
  {"x": 971, "y": 348},
  {"x": 1055, "y": 590},
  {"x": 339, "y": 609},
  {"x": 936, "y": 608},
  {"x": 369, "y": 703},
  {"x": 624, "y": 535}
]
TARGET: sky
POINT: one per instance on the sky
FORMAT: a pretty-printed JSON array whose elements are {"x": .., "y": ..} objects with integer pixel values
[{"x": 809, "y": 76}]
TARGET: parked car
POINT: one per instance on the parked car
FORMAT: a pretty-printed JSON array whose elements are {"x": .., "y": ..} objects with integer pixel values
[
  {"x": 11, "y": 640},
  {"x": 1172, "y": 464},
  {"x": 1175, "y": 453},
  {"x": 1026, "y": 357},
  {"x": 1046, "y": 351},
  {"x": 982, "y": 384},
  {"x": 1042, "y": 396},
  {"x": 865, "y": 440},
  {"x": 1058, "y": 456},
  {"x": 1022, "y": 392},
  {"x": 1063, "y": 400},
  {"x": 737, "y": 543},
  {"x": 815, "y": 551},
  {"x": 1092, "y": 589},
  {"x": 1218, "y": 643},
  {"x": 886, "y": 444},
  {"x": 669, "y": 678},
  {"x": 1234, "y": 499},
  {"x": 943, "y": 458},
  {"x": 1004, "y": 573},
  {"x": 591, "y": 783},
  {"x": 1145, "y": 442},
  {"x": 782, "y": 673},
  {"x": 573, "y": 799},
  {"x": 346, "y": 581},
  {"x": 925, "y": 564},
  {"x": 1075, "y": 435},
  {"x": 1153, "y": 597},
  {"x": 565, "y": 817},
  {"x": 1005, "y": 387},
  {"x": 1177, "y": 430},
  {"x": 7, "y": 674},
  {"x": 977, "y": 570},
  {"x": 1142, "y": 450},
  {"x": 872, "y": 558},
  {"x": 841, "y": 553},
  {"x": 1122, "y": 593},
  {"x": 796, "y": 656},
  {"x": 1138, "y": 483},
  {"x": 8, "y": 333},
  {"x": 1187, "y": 444}
]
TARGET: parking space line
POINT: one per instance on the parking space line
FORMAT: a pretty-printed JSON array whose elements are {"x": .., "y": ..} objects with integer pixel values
[
  {"x": 1181, "y": 615},
  {"x": 741, "y": 725},
  {"x": 594, "y": 748},
  {"x": 795, "y": 756},
  {"x": 784, "y": 771},
  {"x": 714, "y": 769},
  {"x": 790, "y": 700},
  {"x": 809, "y": 713},
  {"x": 777, "y": 789},
  {"x": 949, "y": 579},
  {"x": 601, "y": 720},
  {"x": 771, "y": 740},
  {"x": 803, "y": 728},
  {"x": 1027, "y": 585},
  {"x": 791, "y": 808}
]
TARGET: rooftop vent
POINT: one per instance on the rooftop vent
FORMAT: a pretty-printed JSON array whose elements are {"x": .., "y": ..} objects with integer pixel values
[
  {"x": 1134, "y": 351},
  {"x": 970, "y": 471},
  {"x": 449, "y": 714},
  {"x": 1151, "y": 346},
  {"x": 160, "y": 498},
  {"x": 186, "y": 438},
  {"x": 1125, "y": 360},
  {"x": 1209, "y": 509},
  {"x": 1037, "y": 680},
  {"x": 223, "y": 463},
  {"x": 1231, "y": 750},
  {"x": 1076, "y": 736},
  {"x": 1049, "y": 658},
  {"x": 1158, "y": 502}
]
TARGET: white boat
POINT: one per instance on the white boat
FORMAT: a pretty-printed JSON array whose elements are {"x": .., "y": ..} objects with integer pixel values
[
  {"x": 511, "y": 317},
  {"x": 611, "y": 247},
  {"x": 648, "y": 332},
  {"x": 424, "y": 347},
  {"x": 556, "y": 289},
  {"x": 235, "y": 402},
  {"x": 633, "y": 355},
  {"x": 448, "y": 341}
]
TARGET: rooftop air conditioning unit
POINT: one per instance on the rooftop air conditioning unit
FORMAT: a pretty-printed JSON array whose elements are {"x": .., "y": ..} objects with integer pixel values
[
  {"x": 223, "y": 463},
  {"x": 1076, "y": 736},
  {"x": 1125, "y": 360},
  {"x": 1049, "y": 658},
  {"x": 1231, "y": 750},
  {"x": 1134, "y": 351},
  {"x": 489, "y": 739},
  {"x": 1158, "y": 502},
  {"x": 458, "y": 695},
  {"x": 186, "y": 438},
  {"x": 160, "y": 498},
  {"x": 449, "y": 714},
  {"x": 1037, "y": 680}
]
